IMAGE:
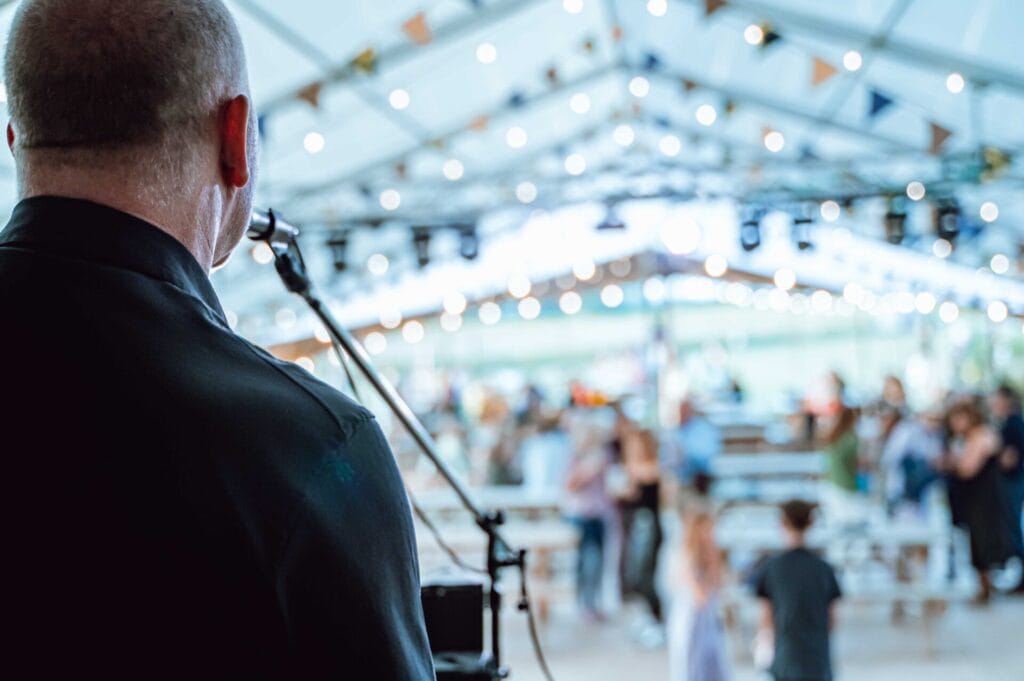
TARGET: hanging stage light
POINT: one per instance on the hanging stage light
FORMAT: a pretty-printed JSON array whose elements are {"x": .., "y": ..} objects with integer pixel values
[
  {"x": 895, "y": 221},
  {"x": 469, "y": 241},
  {"x": 802, "y": 221},
  {"x": 947, "y": 219},
  {"x": 338, "y": 243},
  {"x": 421, "y": 242},
  {"x": 611, "y": 220},
  {"x": 750, "y": 230}
]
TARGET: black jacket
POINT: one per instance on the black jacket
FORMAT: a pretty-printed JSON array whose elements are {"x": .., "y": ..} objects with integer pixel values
[{"x": 175, "y": 501}]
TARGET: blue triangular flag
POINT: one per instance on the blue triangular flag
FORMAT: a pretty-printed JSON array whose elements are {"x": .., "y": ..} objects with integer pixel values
[
  {"x": 879, "y": 103},
  {"x": 261, "y": 126},
  {"x": 651, "y": 61},
  {"x": 662, "y": 122},
  {"x": 516, "y": 100}
]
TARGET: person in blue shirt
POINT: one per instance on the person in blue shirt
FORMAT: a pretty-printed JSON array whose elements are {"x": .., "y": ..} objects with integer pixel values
[
  {"x": 1006, "y": 408},
  {"x": 697, "y": 441}
]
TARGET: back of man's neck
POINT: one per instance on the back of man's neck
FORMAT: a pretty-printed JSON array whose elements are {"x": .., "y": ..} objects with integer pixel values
[{"x": 128, "y": 197}]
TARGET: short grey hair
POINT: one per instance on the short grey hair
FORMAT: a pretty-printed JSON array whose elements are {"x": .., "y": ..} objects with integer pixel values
[{"x": 107, "y": 75}]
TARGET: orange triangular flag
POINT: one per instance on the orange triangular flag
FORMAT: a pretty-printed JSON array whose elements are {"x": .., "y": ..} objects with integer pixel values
[
  {"x": 939, "y": 137},
  {"x": 712, "y": 6},
  {"x": 822, "y": 71},
  {"x": 479, "y": 123},
  {"x": 417, "y": 29},
  {"x": 616, "y": 33},
  {"x": 311, "y": 94},
  {"x": 366, "y": 61}
]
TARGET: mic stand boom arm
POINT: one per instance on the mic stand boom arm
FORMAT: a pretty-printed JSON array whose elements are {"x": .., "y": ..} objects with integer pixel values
[{"x": 288, "y": 261}]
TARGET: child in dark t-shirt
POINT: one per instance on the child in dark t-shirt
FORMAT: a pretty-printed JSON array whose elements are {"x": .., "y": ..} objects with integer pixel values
[{"x": 799, "y": 591}]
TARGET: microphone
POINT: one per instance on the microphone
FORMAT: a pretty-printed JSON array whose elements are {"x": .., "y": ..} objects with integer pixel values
[{"x": 265, "y": 226}]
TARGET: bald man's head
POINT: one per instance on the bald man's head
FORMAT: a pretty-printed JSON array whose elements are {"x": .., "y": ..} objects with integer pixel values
[
  {"x": 139, "y": 104},
  {"x": 100, "y": 75}
]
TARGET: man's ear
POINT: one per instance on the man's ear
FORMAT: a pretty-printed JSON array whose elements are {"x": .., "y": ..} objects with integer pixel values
[
  {"x": 10, "y": 138},
  {"x": 234, "y": 134}
]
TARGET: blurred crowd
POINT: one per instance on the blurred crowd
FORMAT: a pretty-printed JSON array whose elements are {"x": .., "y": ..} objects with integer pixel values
[{"x": 617, "y": 478}]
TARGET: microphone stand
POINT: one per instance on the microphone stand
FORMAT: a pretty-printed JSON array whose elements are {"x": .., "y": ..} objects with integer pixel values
[{"x": 288, "y": 261}]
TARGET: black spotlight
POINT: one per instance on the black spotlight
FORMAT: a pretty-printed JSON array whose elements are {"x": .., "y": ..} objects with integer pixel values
[
  {"x": 421, "y": 242},
  {"x": 611, "y": 221},
  {"x": 802, "y": 221},
  {"x": 469, "y": 241},
  {"x": 895, "y": 221},
  {"x": 338, "y": 243},
  {"x": 947, "y": 219},
  {"x": 750, "y": 230}
]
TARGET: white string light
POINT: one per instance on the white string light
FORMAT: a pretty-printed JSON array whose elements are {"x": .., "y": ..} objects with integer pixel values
[
  {"x": 670, "y": 145},
  {"x": 526, "y": 192},
  {"x": 516, "y": 137},
  {"x": 639, "y": 87},
  {"x": 915, "y": 191},
  {"x": 657, "y": 8},
  {"x": 580, "y": 103},
  {"x": 706, "y": 115},
  {"x": 453, "y": 169},
  {"x": 314, "y": 142},
  {"x": 575, "y": 164},
  {"x": 989, "y": 211},
  {"x": 716, "y": 265},
  {"x": 570, "y": 302},
  {"x": 377, "y": 264},
  {"x": 623, "y": 135},
  {"x": 830, "y": 211},
  {"x": 955, "y": 83},
  {"x": 572, "y": 6},
  {"x": 413, "y": 332},
  {"x": 486, "y": 53},
  {"x": 612, "y": 295},
  {"x": 398, "y": 99},
  {"x": 774, "y": 141},
  {"x": 390, "y": 199}
]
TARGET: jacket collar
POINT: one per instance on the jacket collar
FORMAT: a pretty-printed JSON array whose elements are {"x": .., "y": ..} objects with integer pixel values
[{"x": 105, "y": 235}]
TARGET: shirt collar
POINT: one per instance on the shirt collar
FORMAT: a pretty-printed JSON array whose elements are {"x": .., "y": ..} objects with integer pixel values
[{"x": 105, "y": 235}]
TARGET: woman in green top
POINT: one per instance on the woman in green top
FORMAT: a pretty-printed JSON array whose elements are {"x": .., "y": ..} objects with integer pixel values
[{"x": 841, "y": 448}]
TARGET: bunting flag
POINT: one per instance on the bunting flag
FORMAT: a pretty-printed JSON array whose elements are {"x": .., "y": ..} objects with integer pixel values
[
  {"x": 822, "y": 71},
  {"x": 939, "y": 137},
  {"x": 770, "y": 35},
  {"x": 588, "y": 45},
  {"x": 365, "y": 61},
  {"x": 994, "y": 162},
  {"x": 689, "y": 85},
  {"x": 879, "y": 103},
  {"x": 311, "y": 94},
  {"x": 552, "y": 76},
  {"x": 729, "y": 107},
  {"x": 439, "y": 143},
  {"x": 401, "y": 170},
  {"x": 712, "y": 6},
  {"x": 261, "y": 126},
  {"x": 662, "y": 122},
  {"x": 652, "y": 62},
  {"x": 417, "y": 29},
  {"x": 616, "y": 33},
  {"x": 516, "y": 100},
  {"x": 480, "y": 123},
  {"x": 807, "y": 153}
]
